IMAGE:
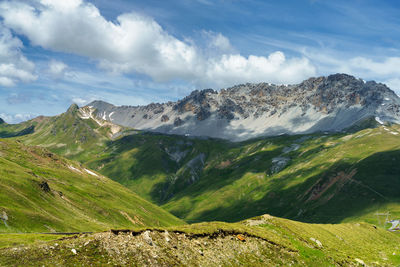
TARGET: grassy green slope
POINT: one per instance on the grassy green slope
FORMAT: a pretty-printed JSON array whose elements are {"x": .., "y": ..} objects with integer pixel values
[
  {"x": 264, "y": 241},
  {"x": 13, "y": 130},
  {"x": 69, "y": 135},
  {"x": 147, "y": 163},
  {"x": 42, "y": 192},
  {"x": 327, "y": 179}
]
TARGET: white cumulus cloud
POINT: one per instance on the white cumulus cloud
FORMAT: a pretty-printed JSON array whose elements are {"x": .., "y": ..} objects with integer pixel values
[
  {"x": 275, "y": 68},
  {"x": 134, "y": 43},
  {"x": 387, "y": 67},
  {"x": 217, "y": 41},
  {"x": 57, "y": 69},
  {"x": 14, "y": 66}
]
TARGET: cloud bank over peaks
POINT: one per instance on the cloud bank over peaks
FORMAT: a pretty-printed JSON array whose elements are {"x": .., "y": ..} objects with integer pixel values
[
  {"x": 14, "y": 66},
  {"x": 135, "y": 43}
]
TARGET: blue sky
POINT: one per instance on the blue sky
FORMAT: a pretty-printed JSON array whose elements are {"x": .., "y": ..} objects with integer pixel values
[{"x": 54, "y": 53}]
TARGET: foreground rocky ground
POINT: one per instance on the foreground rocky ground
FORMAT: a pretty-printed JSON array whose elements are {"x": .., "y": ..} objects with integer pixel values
[
  {"x": 262, "y": 241},
  {"x": 154, "y": 248}
]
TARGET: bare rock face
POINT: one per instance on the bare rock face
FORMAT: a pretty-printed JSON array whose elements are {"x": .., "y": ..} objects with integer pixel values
[
  {"x": 245, "y": 111},
  {"x": 202, "y": 114},
  {"x": 164, "y": 118},
  {"x": 178, "y": 121},
  {"x": 45, "y": 186}
]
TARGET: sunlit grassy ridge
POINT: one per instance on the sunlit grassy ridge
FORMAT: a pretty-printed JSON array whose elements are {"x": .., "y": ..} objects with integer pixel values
[
  {"x": 43, "y": 192},
  {"x": 326, "y": 178},
  {"x": 260, "y": 241},
  {"x": 14, "y": 240}
]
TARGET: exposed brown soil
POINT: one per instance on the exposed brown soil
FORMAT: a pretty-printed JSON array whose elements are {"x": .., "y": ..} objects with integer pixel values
[{"x": 320, "y": 187}]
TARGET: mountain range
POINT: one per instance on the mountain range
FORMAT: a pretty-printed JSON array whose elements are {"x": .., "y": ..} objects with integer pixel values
[
  {"x": 312, "y": 175},
  {"x": 247, "y": 111},
  {"x": 326, "y": 150}
]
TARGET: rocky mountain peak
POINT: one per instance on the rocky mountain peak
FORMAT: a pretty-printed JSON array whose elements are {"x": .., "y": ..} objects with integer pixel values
[
  {"x": 100, "y": 104},
  {"x": 248, "y": 110},
  {"x": 2, "y": 121},
  {"x": 73, "y": 108}
]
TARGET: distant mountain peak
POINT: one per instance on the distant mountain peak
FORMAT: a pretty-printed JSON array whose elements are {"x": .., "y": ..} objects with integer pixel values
[
  {"x": 73, "y": 108},
  {"x": 100, "y": 103},
  {"x": 2, "y": 121},
  {"x": 341, "y": 76},
  {"x": 326, "y": 103}
]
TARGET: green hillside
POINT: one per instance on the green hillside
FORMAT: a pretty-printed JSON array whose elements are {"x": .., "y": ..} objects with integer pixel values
[
  {"x": 43, "y": 192},
  {"x": 325, "y": 178},
  {"x": 342, "y": 178},
  {"x": 260, "y": 241}
]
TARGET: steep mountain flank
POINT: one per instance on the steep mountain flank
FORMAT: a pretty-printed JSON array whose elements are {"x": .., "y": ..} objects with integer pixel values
[{"x": 43, "y": 192}]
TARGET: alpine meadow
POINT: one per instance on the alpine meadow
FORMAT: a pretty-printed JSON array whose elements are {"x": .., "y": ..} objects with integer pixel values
[{"x": 199, "y": 133}]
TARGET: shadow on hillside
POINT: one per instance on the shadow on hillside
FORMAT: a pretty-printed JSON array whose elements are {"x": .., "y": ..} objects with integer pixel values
[
  {"x": 15, "y": 133},
  {"x": 145, "y": 156},
  {"x": 146, "y": 149},
  {"x": 355, "y": 188},
  {"x": 214, "y": 179}
]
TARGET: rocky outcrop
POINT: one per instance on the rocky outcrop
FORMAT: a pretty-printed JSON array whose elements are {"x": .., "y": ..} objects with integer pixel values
[
  {"x": 178, "y": 122},
  {"x": 88, "y": 112},
  {"x": 44, "y": 186},
  {"x": 164, "y": 118},
  {"x": 245, "y": 111}
]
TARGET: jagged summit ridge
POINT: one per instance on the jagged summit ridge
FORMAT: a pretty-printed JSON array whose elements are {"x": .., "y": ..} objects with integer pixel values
[{"x": 245, "y": 111}]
